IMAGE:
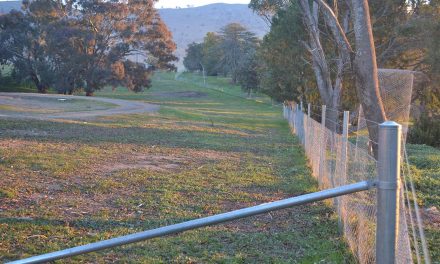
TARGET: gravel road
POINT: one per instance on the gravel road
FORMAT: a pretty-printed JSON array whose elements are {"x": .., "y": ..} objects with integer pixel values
[{"x": 30, "y": 107}]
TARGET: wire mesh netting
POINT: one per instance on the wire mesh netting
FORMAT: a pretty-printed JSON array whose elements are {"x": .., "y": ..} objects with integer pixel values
[
  {"x": 338, "y": 159},
  {"x": 396, "y": 92},
  {"x": 396, "y": 87}
]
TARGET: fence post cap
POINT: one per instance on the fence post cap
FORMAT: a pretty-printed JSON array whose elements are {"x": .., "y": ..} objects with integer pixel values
[{"x": 390, "y": 125}]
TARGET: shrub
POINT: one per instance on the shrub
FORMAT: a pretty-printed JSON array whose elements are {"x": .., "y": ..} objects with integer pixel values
[{"x": 426, "y": 130}]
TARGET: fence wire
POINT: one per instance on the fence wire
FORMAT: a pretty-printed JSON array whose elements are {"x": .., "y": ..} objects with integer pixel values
[
  {"x": 338, "y": 160},
  {"x": 396, "y": 88}
]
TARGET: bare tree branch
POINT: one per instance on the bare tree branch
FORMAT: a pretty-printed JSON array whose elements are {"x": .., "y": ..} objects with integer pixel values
[{"x": 335, "y": 27}]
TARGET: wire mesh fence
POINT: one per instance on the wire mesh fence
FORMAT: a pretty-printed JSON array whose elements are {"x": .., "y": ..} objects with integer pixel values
[
  {"x": 337, "y": 159},
  {"x": 396, "y": 88}
]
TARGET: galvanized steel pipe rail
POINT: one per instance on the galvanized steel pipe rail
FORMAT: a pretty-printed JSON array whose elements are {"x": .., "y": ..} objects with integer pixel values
[{"x": 202, "y": 222}]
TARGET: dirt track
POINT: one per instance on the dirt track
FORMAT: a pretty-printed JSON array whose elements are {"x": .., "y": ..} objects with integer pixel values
[{"x": 30, "y": 108}]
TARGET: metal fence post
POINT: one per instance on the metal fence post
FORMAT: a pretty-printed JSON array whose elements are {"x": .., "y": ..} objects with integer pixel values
[
  {"x": 343, "y": 164},
  {"x": 296, "y": 118},
  {"x": 293, "y": 118},
  {"x": 323, "y": 145},
  {"x": 388, "y": 192},
  {"x": 301, "y": 121},
  {"x": 308, "y": 136},
  {"x": 290, "y": 115},
  {"x": 344, "y": 147},
  {"x": 309, "y": 110},
  {"x": 360, "y": 113}
]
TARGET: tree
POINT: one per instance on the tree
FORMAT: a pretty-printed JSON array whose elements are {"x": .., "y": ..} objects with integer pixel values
[
  {"x": 365, "y": 67},
  {"x": 424, "y": 39},
  {"x": 108, "y": 33},
  {"x": 388, "y": 19},
  {"x": 194, "y": 57},
  {"x": 212, "y": 53},
  {"x": 363, "y": 59},
  {"x": 268, "y": 8},
  {"x": 87, "y": 44},
  {"x": 22, "y": 39},
  {"x": 248, "y": 69},
  {"x": 228, "y": 53},
  {"x": 285, "y": 72},
  {"x": 322, "y": 19},
  {"x": 339, "y": 39},
  {"x": 235, "y": 41},
  {"x": 67, "y": 38}
]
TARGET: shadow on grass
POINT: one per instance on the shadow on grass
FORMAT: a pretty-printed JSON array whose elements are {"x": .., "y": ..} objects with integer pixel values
[
  {"x": 96, "y": 134},
  {"x": 289, "y": 232}
]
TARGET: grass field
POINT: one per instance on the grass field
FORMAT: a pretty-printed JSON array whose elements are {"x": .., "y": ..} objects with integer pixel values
[
  {"x": 425, "y": 169},
  {"x": 66, "y": 183},
  {"x": 223, "y": 84}
]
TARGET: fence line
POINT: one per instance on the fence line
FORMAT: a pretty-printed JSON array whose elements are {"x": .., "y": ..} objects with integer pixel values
[{"x": 336, "y": 159}]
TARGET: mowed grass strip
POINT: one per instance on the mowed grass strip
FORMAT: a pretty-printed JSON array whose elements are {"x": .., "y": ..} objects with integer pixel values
[{"x": 67, "y": 183}]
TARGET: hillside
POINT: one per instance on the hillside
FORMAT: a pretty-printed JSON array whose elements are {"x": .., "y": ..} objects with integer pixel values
[{"x": 191, "y": 24}]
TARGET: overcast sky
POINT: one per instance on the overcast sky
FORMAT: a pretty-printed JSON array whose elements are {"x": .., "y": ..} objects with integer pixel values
[{"x": 185, "y": 3}]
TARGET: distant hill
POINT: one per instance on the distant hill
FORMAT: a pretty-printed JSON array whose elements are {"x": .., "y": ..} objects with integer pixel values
[
  {"x": 6, "y": 6},
  {"x": 191, "y": 24}
]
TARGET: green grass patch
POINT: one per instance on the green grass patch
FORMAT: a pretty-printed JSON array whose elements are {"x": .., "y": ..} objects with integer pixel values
[
  {"x": 9, "y": 86},
  {"x": 425, "y": 170},
  {"x": 8, "y": 193},
  {"x": 224, "y": 85},
  {"x": 204, "y": 152},
  {"x": 6, "y": 70}
]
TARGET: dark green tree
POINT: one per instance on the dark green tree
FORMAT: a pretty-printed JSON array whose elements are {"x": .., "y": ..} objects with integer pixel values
[
  {"x": 23, "y": 41},
  {"x": 108, "y": 34},
  {"x": 227, "y": 53},
  {"x": 193, "y": 60},
  {"x": 212, "y": 53},
  {"x": 86, "y": 44},
  {"x": 285, "y": 72},
  {"x": 236, "y": 41},
  {"x": 248, "y": 72}
]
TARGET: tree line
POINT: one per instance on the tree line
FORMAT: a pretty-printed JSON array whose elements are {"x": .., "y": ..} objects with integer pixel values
[
  {"x": 323, "y": 52},
  {"x": 330, "y": 41},
  {"x": 320, "y": 35},
  {"x": 85, "y": 44}
]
